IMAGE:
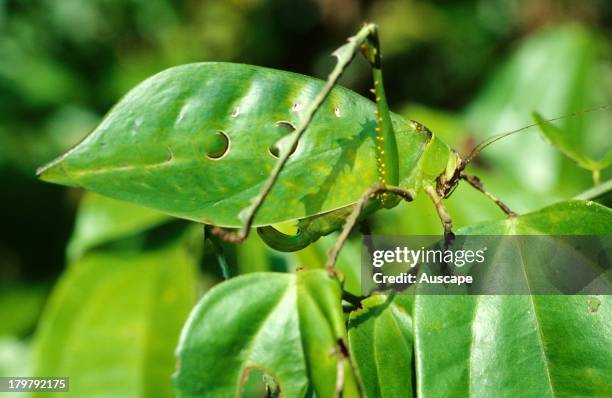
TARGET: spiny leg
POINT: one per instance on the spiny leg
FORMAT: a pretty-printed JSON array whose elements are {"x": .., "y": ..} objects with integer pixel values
[
  {"x": 447, "y": 223},
  {"x": 377, "y": 189},
  {"x": 476, "y": 183},
  {"x": 446, "y": 219},
  {"x": 366, "y": 40},
  {"x": 386, "y": 144}
]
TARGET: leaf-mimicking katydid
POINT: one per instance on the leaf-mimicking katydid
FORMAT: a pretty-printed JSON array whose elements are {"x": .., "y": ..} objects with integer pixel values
[{"x": 239, "y": 146}]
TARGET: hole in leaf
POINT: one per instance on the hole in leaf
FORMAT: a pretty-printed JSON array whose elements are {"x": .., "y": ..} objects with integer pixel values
[
  {"x": 216, "y": 145},
  {"x": 284, "y": 142}
]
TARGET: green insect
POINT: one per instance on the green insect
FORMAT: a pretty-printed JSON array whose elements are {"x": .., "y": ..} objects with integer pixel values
[{"x": 239, "y": 146}]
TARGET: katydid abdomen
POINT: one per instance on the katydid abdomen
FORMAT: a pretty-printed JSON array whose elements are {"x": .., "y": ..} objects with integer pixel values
[{"x": 197, "y": 142}]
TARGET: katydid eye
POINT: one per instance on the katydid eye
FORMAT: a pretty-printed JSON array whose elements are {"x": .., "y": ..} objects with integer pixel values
[
  {"x": 288, "y": 128},
  {"x": 216, "y": 145}
]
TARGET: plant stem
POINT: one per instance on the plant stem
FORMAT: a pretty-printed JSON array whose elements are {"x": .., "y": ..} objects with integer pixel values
[{"x": 596, "y": 177}]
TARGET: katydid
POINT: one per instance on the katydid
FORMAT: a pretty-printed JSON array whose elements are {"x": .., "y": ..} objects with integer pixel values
[{"x": 239, "y": 146}]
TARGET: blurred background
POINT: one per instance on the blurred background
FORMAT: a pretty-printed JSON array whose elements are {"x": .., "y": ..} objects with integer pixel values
[{"x": 466, "y": 69}]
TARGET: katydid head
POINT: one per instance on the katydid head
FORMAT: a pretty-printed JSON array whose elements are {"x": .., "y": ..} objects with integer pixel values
[{"x": 448, "y": 180}]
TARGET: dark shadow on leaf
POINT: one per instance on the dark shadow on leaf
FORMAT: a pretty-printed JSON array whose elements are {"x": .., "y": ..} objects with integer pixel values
[{"x": 313, "y": 203}]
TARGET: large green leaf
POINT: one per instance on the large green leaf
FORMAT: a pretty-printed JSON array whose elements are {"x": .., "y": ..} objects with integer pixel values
[
  {"x": 101, "y": 219},
  {"x": 507, "y": 346},
  {"x": 286, "y": 325},
  {"x": 380, "y": 339},
  {"x": 113, "y": 322},
  {"x": 152, "y": 148},
  {"x": 574, "y": 217}
]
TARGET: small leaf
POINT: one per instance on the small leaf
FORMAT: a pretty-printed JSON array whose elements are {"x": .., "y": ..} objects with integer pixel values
[
  {"x": 380, "y": 338},
  {"x": 606, "y": 161},
  {"x": 545, "y": 346},
  {"x": 596, "y": 193},
  {"x": 560, "y": 139},
  {"x": 113, "y": 320},
  {"x": 282, "y": 324}
]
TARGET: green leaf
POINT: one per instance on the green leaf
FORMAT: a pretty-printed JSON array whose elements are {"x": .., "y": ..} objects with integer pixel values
[
  {"x": 560, "y": 139},
  {"x": 380, "y": 339},
  {"x": 574, "y": 217},
  {"x": 347, "y": 265},
  {"x": 598, "y": 193},
  {"x": 14, "y": 358},
  {"x": 154, "y": 147},
  {"x": 101, "y": 220},
  {"x": 606, "y": 160},
  {"x": 20, "y": 308},
  {"x": 285, "y": 325},
  {"x": 113, "y": 321},
  {"x": 545, "y": 346}
]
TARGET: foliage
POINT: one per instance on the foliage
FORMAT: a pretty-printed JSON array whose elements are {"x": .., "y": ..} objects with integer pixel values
[{"x": 132, "y": 274}]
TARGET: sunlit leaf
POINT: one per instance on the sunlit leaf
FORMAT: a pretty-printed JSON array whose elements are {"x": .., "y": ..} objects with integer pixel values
[
  {"x": 113, "y": 322},
  {"x": 196, "y": 141},
  {"x": 286, "y": 325},
  {"x": 545, "y": 346},
  {"x": 14, "y": 357}
]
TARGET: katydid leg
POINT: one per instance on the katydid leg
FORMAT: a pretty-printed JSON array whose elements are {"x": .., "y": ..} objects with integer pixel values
[
  {"x": 375, "y": 190},
  {"x": 476, "y": 183},
  {"x": 365, "y": 40},
  {"x": 447, "y": 221}
]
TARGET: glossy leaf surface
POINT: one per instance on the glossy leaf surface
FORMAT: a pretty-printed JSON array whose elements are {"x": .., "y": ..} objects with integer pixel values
[
  {"x": 574, "y": 217},
  {"x": 380, "y": 339},
  {"x": 159, "y": 146},
  {"x": 253, "y": 322},
  {"x": 113, "y": 322},
  {"x": 508, "y": 346}
]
